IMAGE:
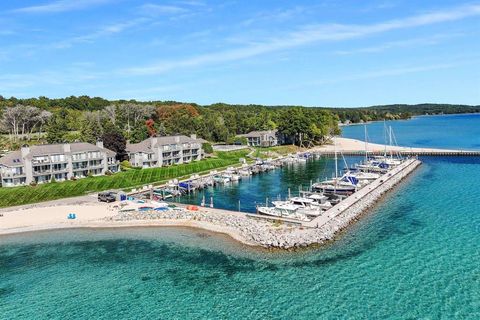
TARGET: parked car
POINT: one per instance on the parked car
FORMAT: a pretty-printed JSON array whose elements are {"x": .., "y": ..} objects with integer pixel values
[{"x": 106, "y": 197}]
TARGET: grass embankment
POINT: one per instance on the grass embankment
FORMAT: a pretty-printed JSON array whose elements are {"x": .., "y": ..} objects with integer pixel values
[
  {"x": 122, "y": 180},
  {"x": 272, "y": 152}
]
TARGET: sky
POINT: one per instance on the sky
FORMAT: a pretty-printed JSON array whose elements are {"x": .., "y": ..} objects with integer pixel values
[{"x": 274, "y": 52}]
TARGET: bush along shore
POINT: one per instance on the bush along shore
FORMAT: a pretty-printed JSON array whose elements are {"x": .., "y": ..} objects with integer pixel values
[{"x": 267, "y": 234}]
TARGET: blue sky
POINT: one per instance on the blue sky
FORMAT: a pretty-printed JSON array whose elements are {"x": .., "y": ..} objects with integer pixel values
[{"x": 314, "y": 53}]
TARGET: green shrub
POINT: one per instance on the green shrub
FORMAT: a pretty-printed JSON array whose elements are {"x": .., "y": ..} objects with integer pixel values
[
  {"x": 207, "y": 147},
  {"x": 125, "y": 165}
]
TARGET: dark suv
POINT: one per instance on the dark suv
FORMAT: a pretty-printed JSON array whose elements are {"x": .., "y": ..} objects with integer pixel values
[{"x": 106, "y": 197}]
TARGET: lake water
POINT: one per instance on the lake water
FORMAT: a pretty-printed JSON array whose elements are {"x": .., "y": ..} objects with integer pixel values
[
  {"x": 460, "y": 131},
  {"x": 258, "y": 189},
  {"x": 416, "y": 255}
]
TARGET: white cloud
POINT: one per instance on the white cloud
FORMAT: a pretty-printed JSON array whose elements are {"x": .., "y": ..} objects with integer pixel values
[
  {"x": 426, "y": 41},
  {"x": 308, "y": 35},
  {"x": 275, "y": 16},
  {"x": 102, "y": 32},
  {"x": 156, "y": 9},
  {"x": 60, "y": 6},
  {"x": 388, "y": 72}
]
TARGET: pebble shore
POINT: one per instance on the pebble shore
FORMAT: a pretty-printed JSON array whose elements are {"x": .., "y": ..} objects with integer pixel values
[{"x": 268, "y": 234}]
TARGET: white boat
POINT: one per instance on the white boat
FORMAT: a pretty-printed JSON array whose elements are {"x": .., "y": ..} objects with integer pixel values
[
  {"x": 285, "y": 211},
  {"x": 322, "y": 200},
  {"x": 221, "y": 179},
  {"x": 231, "y": 174},
  {"x": 158, "y": 204},
  {"x": 244, "y": 172},
  {"x": 305, "y": 206}
]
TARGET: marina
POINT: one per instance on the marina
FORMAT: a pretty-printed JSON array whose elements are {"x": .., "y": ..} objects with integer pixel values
[{"x": 311, "y": 215}]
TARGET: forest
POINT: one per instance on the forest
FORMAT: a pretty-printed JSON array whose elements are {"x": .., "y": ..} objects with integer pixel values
[{"x": 83, "y": 118}]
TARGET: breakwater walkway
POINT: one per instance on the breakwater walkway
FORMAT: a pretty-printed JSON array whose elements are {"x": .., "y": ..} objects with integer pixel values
[
  {"x": 365, "y": 197},
  {"x": 353, "y": 147}
]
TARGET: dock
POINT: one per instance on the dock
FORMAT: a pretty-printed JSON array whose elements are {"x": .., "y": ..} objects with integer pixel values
[
  {"x": 407, "y": 153},
  {"x": 354, "y": 147},
  {"x": 366, "y": 196}
]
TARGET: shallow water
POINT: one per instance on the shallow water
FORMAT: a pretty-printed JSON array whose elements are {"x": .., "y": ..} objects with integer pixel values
[{"x": 415, "y": 255}]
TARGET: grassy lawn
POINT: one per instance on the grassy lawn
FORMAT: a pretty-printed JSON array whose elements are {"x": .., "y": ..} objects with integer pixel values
[
  {"x": 122, "y": 180},
  {"x": 275, "y": 151}
]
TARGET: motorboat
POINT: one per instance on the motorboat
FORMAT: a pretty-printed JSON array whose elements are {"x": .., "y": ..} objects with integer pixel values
[
  {"x": 221, "y": 179},
  {"x": 286, "y": 210}
]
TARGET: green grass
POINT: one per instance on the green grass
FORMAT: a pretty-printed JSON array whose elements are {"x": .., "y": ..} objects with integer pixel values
[
  {"x": 277, "y": 150},
  {"x": 122, "y": 180}
]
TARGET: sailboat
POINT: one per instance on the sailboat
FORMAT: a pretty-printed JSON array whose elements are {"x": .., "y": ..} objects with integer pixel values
[
  {"x": 345, "y": 185},
  {"x": 364, "y": 172}
]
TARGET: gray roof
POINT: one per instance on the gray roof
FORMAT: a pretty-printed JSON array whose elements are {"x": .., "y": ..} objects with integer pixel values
[
  {"x": 146, "y": 145},
  {"x": 14, "y": 158},
  {"x": 257, "y": 134},
  {"x": 11, "y": 158}
]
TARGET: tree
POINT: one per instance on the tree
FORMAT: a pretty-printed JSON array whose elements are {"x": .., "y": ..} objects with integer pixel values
[
  {"x": 91, "y": 127},
  {"x": 21, "y": 121},
  {"x": 56, "y": 129},
  {"x": 150, "y": 124},
  {"x": 129, "y": 116},
  {"x": 207, "y": 147},
  {"x": 294, "y": 124},
  {"x": 115, "y": 141},
  {"x": 111, "y": 113}
]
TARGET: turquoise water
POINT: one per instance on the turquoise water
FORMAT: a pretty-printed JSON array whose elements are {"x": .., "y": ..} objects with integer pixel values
[
  {"x": 450, "y": 132},
  {"x": 416, "y": 255}
]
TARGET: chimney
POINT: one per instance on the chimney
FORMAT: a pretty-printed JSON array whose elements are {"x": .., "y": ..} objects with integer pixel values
[
  {"x": 66, "y": 147},
  {"x": 153, "y": 141},
  {"x": 100, "y": 144},
  {"x": 177, "y": 139},
  {"x": 193, "y": 136},
  {"x": 25, "y": 151}
]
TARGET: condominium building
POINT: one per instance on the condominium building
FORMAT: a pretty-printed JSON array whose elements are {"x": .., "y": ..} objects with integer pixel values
[
  {"x": 165, "y": 151},
  {"x": 43, "y": 163},
  {"x": 268, "y": 138}
]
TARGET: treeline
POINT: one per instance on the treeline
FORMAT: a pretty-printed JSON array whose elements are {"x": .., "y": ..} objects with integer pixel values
[
  {"x": 399, "y": 111},
  {"x": 90, "y": 118},
  {"x": 81, "y": 119}
]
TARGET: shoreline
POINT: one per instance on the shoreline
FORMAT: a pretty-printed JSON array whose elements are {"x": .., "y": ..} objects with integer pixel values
[
  {"x": 103, "y": 225},
  {"x": 413, "y": 117}
]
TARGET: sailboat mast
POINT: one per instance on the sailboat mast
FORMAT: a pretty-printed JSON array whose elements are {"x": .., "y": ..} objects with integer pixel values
[
  {"x": 385, "y": 137},
  {"x": 336, "y": 158},
  {"x": 336, "y": 165},
  {"x": 390, "y": 134},
  {"x": 366, "y": 143}
]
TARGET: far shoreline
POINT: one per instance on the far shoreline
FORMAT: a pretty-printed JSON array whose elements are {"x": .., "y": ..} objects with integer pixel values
[{"x": 412, "y": 118}]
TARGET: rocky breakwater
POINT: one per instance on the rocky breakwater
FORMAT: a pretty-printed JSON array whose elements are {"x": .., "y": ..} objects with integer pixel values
[
  {"x": 349, "y": 210},
  {"x": 238, "y": 225}
]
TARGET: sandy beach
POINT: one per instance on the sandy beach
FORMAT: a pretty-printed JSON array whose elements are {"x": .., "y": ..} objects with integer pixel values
[
  {"x": 353, "y": 145},
  {"x": 89, "y": 215}
]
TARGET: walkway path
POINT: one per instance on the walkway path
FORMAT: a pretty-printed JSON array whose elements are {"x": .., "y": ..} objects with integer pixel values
[{"x": 352, "y": 146}]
